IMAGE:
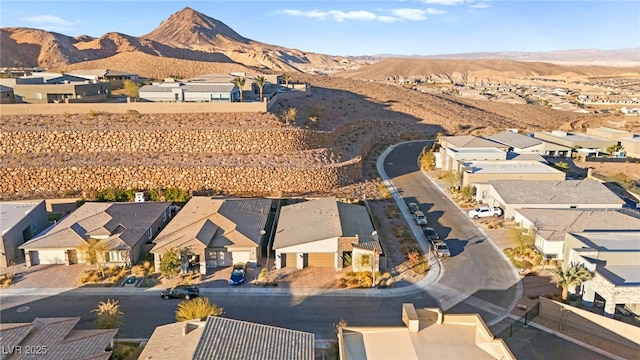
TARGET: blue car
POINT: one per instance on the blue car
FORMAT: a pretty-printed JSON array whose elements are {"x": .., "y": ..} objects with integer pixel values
[{"x": 237, "y": 274}]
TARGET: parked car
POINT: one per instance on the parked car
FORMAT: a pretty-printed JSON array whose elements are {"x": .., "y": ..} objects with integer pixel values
[
  {"x": 485, "y": 211},
  {"x": 420, "y": 218},
  {"x": 442, "y": 249},
  {"x": 430, "y": 234},
  {"x": 181, "y": 292},
  {"x": 413, "y": 207},
  {"x": 237, "y": 274}
]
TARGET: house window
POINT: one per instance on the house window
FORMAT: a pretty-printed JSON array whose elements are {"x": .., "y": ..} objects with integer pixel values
[
  {"x": 150, "y": 233},
  {"x": 113, "y": 255},
  {"x": 164, "y": 216},
  {"x": 484, "y": 194},
  {"x": 366, "y": 260},
  {"x": 38, "y": 96},
  {"x": 34, "y": 228}
]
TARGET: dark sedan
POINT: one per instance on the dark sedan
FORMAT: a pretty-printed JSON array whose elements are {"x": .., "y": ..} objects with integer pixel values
[
  {"x": 181, "y": 292},
  {"x": 431, "y": 234}
]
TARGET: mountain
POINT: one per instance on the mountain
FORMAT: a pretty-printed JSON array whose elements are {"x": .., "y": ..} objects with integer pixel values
[{"x": 185, "y": 35}]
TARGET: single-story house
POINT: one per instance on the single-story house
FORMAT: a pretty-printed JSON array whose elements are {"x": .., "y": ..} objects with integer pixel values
[
  {"x": 327, "y": 232},
  {"x": 115, "y": 77},
  {"x": 55, "y": 338},
  {"x": 20, "y": 221},
  {"x": 222, "y": 338},
  {"x": 179, "y": 91},
  {"x": 477, "y": 174},
  {"x": 427, "y": 334},
  {"x": 551, "y": 225},
  {"x": 6, "y": 95},
  {"x": 519, "y": 143},
  {"x": 214, "y": 232},
  {"x": 576, "y": 140},
  {"x": 453, "y": 158},
  {"x": 64, "y": 88},
  {"x": 467, "y": 141},
  {"x": 609, "y": 133},
  {"x": 551, "y": 194},
  {"x": 613, "y": 258},
  {"x": 631, "y": 146},
  {"x": 125, "y": 228}
]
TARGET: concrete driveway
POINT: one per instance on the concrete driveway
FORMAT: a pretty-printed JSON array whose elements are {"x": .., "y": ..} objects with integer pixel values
[{"x": 48, "y": 276}]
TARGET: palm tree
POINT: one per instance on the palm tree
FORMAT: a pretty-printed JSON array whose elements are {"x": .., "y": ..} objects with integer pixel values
[
  {"x": 574, "y": 275},
  {"x": 239, "y": 82},
  {"x": 260, "y": 81},
  {"x": 286, "y": 78}
]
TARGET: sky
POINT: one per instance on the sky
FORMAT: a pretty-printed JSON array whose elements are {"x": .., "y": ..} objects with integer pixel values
[{"x": 355, "y": 27}]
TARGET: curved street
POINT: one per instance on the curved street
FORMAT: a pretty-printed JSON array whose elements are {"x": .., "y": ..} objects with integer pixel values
[{"x": 476, "y": 279}]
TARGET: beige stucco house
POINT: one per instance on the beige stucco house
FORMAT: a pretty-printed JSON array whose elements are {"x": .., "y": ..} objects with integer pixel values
[
  {"x": 477, "y": 174},
  {"x": 21, "y": 221},
  {"x": 64, "y": 88},
  {"x": 609, "y": 133},
  {"x": 551, "y": 194},
  {"x": 613, "y": 258},
  {"x": 448, "y": 159},
  {"x": 551, "y": 225},
  {"x": 216, "y": 232},
  {"x": 590, "y": 144},
  {"x": 322, "y": 232},
  {"x": 427, "y": 334},
  {"x": 631, "y": 146}
]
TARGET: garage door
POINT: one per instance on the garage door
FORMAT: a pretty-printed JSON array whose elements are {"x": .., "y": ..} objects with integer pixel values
[
  {"x": 291, "y": 260},
  {"x": 224, "y": 258},
  {"x": 322, "y": 259},
  {"x": 51, "y": 256},
  {"x": 241, "y": 256}
]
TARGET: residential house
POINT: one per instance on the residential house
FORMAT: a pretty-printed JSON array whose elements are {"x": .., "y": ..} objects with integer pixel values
[
  {"x": 466, "y": 141},
  {"x": 631, "y": 146},
  {"x": 222, "y": 338},
  {"x": 524, "y": 144},
  {"x": 427, "y": 334},
  {"x": 586, "y": 145},
  {"x": 477, "y": 174},
  {"x": 126, "y": 228},
  {"x": 55, "y": 338},
  {"x": 115, "y": 77},
  {"x": 613, "y": 258},
  {"x": 322, "y": 232},
  {"x": 180, "y": 91},
  {"x": 551, "y": 225},
  {"x": 630, "y": 111},
  {"x": 213, "y": 232},
  {"x": 20, "y": 221},
  {"x": 46, "y": 88},
  {"x": 6, "y": 95},
  {"x": 453, "y": 158},
  {"x": 551, "y": 194},
  {"x": 608, "y": 133}
]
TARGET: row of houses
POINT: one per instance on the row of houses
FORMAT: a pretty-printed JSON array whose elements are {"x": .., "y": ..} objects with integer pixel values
[
  {"x": 575, "y": 221},
  {"x": 96, "y": 86},
  {"x": 208, "y": 232}
]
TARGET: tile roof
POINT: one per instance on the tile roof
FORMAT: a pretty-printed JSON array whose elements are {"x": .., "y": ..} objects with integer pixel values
[
  {"x": 515, "y": 139},
  {"x": 173, "y": 341},
  {"x": 578, "y": 192},
  {"x": 129, "y": 221},
  {"x": 234, "y": 340},
  {"x": 552, "y": 224},
  {"x": 369, "y": 245},
  {"x": 61, "y": 341}
]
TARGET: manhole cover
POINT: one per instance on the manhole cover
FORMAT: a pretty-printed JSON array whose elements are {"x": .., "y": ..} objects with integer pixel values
[{"x": 23, "y": 309}]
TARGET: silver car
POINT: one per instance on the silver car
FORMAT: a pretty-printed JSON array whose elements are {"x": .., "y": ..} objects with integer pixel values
[{"x": 420, "y": 218}]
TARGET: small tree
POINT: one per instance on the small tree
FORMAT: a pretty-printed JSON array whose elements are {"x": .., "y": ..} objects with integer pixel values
[
  {"x": 239, "y": 82},
  {"x": 414, "y": 257},
  {"x": 131, "y": 88},
  {"x": 94, "y": 250},
  {"x": 170, "y": 263},
  {"x": 198, "y": 308},
  {"x": 574, "y": 275},
  {"x": 286, "y": 78},
  {"x": 260, "y": 81},
  {"x": 524, "y": 237},
  {"x": 450, "y": 178},
  {"x": 109, "y": 314},
  {"x": 290, "y": 115}
]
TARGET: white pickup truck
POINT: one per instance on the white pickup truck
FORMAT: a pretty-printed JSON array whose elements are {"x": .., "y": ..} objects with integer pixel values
[{"x": 485, "y": 211}]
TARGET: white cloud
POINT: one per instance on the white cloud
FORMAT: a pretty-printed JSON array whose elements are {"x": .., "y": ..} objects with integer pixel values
[
  {"x": 432, "y": 11},
  {"x": 480, "y": 6},
  {"x": 361, "y": 15},
  {"x": 387, "y": 19},
  {"x": 410, "y": 14},
  {"x": 311, "y": 14},
  {"x": 48, "y": 20},
  {"x": 444, "y": 2}
]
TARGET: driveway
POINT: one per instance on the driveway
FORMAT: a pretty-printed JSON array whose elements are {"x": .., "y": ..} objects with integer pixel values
[{"x": 48, "y": 276}]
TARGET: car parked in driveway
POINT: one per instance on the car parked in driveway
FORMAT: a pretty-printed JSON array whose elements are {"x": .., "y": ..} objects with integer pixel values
[
  {"x": 237, "y": 274},
  {"x": 181, "y": 292},
  {"x": 430, "y": 234},
  {"x": 485, "y": 211},
  {"x": 442, "y": 249},
  {"x": 413, "y": 207},
  {"x": 420, "y": 218}
]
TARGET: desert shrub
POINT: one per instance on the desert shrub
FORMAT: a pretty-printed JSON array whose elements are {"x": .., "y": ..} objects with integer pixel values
[
  {"x": 134, "y": 113},
  {"x": 94, "y": 113},
  {"x": 7, "y": 279},
  {"x": 428, "y": 161}
]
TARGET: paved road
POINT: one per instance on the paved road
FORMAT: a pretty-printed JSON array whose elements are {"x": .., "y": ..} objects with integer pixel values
[{"x": 477, "y": 272}]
